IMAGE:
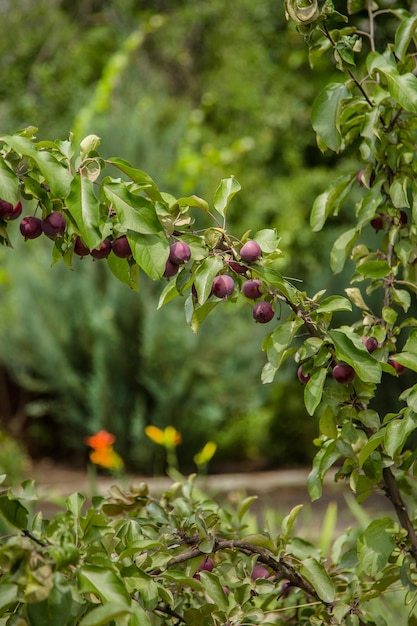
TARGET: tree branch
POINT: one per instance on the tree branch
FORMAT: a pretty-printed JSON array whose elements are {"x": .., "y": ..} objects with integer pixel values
[{"x": 393, "y": 493}]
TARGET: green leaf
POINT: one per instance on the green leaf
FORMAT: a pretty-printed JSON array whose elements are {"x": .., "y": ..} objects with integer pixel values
[
  {"x": 9, "y": 183},
  {"x": 396, "y": 434},
  {"x": 9, "y": 593},
  {"x": 398, "y": 191},
  {"x": 104, "y": 614},
  {"x": 123, "y": 271},
  {"x": 349, "y": 348},
  {"x": 329, "y": 201},
  {"x": 214, "y": 590},
  {"x": 374, "y": 269},
  {"x": 13, "y": 512},
  {"x": 404, "y": 35},
  {"x": 56, "y": 174},
  {"x": 408, "y": 359},
  {"x": 280, "y": 339},
  {"x": 150, "y": 252},
  {"x": 104, "y": 583},
  {"x": 355, "y": 296},
  {"x": 341, "y": 248},
  {"x": 200, "y": 313},
  {"x": 334, "y": 303},
  {"x": 267, "y": 239},
  {"x": 315, "y": 573},
  {"x": 204, "y": 276},
  {"x": 245, "y": 506},
  {"x": 326, "y": 113},
  {"x": 226, "y": 190},
  {"x": 134, "y": 212},
  {"x": 288, "y": 522},
  {"x": 84, "y": 208},
  {"x": 375, "y": 546},
  {"x": 313, "y": 390},
  {"x": 402, "y": 87},
  {"x": 372, "y": 444},
  {"x": 139, "y": 177}
]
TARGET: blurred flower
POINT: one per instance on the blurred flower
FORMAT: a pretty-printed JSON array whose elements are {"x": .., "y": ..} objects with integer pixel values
[
  {"x": 102, "y": 450},
  {"x": 206, "y": 454},
  {"x": 102, "y": 439},
  {"x": 169, "y": 437},
  {"x": 106, "y": 457}
]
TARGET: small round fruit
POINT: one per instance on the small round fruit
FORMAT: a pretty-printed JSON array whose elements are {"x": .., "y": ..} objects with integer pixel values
[
  {"x": 400, "y": 369},
  {"x": 370, "y": 343},
  {"x": 121, "y": 247},
  {"x": 263, "y": 312},
  {"x": 303, "y": 378},
  {"x": 80, "y": 248},
  {"x": 251, "y": 289},
  {"x": 377, "y": 223},
  {"x": 223, "y": 286},
  {"x": 206, "y": 565},
  {"x": 170, "y": 269},
  {"x": 31, "y": 227},
  {"x": 250, "y": 251},
  {"x": 103, "y": 251},
  {"x": 343, "y": 373},
  {"x": 259, "y": 571},
  {"x": 6, "y": 209},
  {"x": 15, "y": 212},
  {"x": 179, "y": 253},
  {"x": 54, "y": 224}
]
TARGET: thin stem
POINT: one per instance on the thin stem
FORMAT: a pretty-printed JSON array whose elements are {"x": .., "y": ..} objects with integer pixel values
[
  {"x": 371, "y": 25},
  {"x": 393, "y": 493}
]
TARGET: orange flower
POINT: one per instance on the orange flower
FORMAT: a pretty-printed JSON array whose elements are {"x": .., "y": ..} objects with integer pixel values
[
  {"x": 106, "y": 457},
  {"x": 102, "y": 439},
  {"x": 169, "y": 438}
]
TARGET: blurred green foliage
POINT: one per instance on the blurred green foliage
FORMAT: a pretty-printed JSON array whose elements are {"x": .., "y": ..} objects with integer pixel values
[{"x": 190, "y": 92}]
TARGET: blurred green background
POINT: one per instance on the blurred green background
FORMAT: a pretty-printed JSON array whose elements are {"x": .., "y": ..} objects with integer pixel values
[{"x": 191, "y": 92}]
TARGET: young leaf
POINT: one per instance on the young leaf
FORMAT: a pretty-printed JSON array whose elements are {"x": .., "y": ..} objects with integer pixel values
[
  {"x": 314, "y": 390},
  {"x": 224, "y": 193},
  {"x": 84, "y": 207},
  {"x": 325, "y": 114}
]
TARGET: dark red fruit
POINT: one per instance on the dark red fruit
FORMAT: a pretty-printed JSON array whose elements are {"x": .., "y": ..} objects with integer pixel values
[
  {"x": 223, "y": 286},
  {"x": 80, "y": 248},
  {"x": 263, "y": 312},
  {"x": 170, "y": 269},
  {"x": 103, "y": 251},
  {"x": 251, "y": 251},
  {"x": 206, "y": 565},
  {"x": 121, "y": 247},
  {"x": 377, "y": 223},
  {"x": 343, "y": 373},
  {"x": 370, "y": 343},
  {"x": 259, "y": 571},
  {"x": 238, "y": 267},
  {"x": 251, "y": 289},
  {"x": 31, "y": 227},
  {"x": 10, "y": 212},
  {"x": 303, "y": 378},
  {"x": 400, "y": 369},
  {"x": 179, "y": 253},
  {"x": 54, "y": 224}
]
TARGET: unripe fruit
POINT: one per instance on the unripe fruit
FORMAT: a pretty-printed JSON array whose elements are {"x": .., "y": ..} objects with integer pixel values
[
  {"x": 103, "y": 251},
  {"x": 259, "y": 571},
  {"x": 54, "y": 224},
  {"x": 179, "y": 253},
  {"x": 250, "y": 251},
  {"x": 370, "y": 343},
  {"x": 31, "y": 227},
  {"x": 223, "y": 286},
  {"x": 121, "y": 247},
  {"x": 80, "y": 248},
  {"x": 303, "y": 378},
  {"x": 400, "y": 369},
  {"x": 170, "y": 269},
  {"x": 263, "y": 312},
  {"x": 251, "y": 290},
  {"x": 343, "y": 373}
]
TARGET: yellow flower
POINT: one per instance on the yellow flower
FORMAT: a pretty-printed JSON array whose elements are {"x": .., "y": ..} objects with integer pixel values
[
  {"x": 169, "y": 438},
  {"x": 206, "y": 454}
]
